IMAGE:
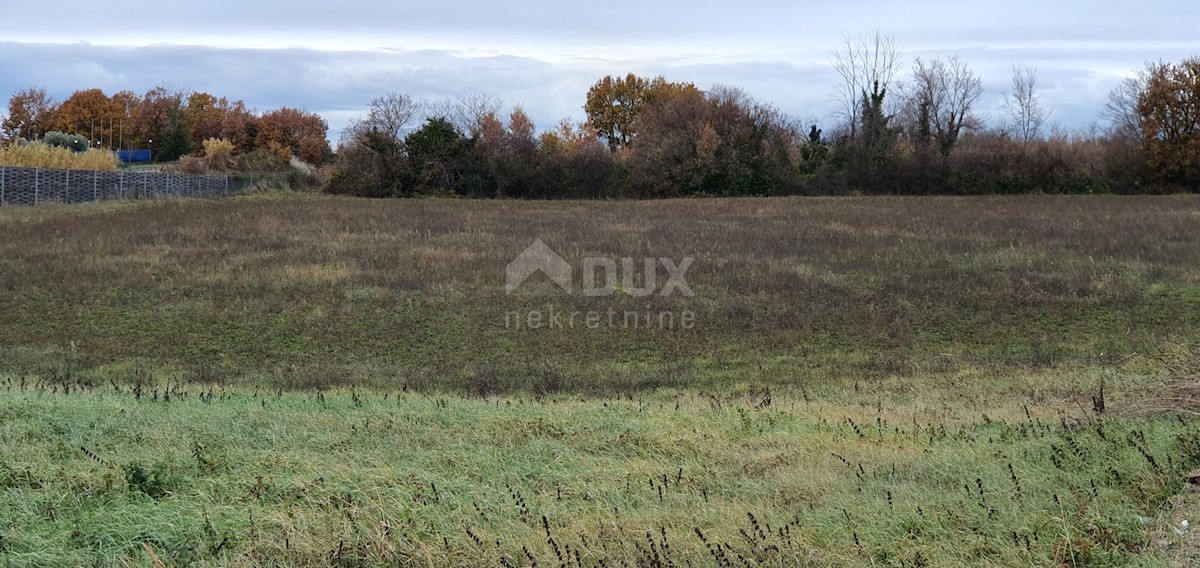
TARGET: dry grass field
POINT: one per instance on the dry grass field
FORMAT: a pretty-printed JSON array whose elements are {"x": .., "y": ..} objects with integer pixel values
[
  {"x": 318, "y": 292},
  {"x": 290, "y": 380}
]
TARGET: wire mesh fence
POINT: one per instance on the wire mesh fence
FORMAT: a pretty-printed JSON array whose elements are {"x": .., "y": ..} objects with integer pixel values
[{"x": 37, "y": 186}]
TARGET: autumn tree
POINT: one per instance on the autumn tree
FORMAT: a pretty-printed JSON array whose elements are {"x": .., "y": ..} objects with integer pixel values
[
  {"x": 240, "y": 126},
  {"x": 295, "y": 132},
  {"x": 573, "y": 162},
  {"x": 614, "y": 104},
  {"x": 1169, "y": 119},
  {"x": 512, "y": 152},
  {"x": 204, "y": 114},
  {"x": 90, "y": 113},
  {"x": 30, "y": 114},
  {"x": 158, "y": 116},
  {"x": 126, "y": 103},
  {"x": 719, "y": 143}
]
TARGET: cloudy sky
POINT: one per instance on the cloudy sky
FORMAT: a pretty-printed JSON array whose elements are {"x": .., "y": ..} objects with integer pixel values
[{"x": 332, "y": 56}]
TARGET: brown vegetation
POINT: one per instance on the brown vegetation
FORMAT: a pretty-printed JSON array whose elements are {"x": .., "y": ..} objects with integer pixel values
[{"x": 308, "y": 290}]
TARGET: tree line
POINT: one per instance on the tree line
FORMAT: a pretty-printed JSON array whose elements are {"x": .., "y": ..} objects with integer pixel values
[
  {"x": 650, "y": 137},
  {"x": 170, "y": 122},
  {"x": 914, "y": 132}
]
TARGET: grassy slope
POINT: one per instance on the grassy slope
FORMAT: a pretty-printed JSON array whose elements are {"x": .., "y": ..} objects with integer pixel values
[{"x": 903, "y": 342}]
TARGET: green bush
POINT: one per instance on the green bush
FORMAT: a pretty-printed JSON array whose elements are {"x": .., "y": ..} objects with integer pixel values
[{"x": 63, "y": 140}]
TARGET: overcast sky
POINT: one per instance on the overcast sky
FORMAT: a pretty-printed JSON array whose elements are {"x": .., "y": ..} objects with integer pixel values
[{"x": 332, "y": 56}]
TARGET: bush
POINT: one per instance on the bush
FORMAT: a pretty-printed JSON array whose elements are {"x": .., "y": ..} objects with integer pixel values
[
  {"x": 263, "y": 160},
  {"x": 193, "y": 165},
  {"x": 73, "y": 142},
  {"x": 374, "y": 165},
  {"x": 218, "y": 152}
]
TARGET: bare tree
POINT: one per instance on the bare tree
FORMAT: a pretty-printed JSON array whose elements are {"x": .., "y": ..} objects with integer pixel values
[
  {"x": 1026, "y": 117},
  {"x": 468, "y": 111},
  {"x": 390, "y": 114},
  {"x": 939, "y": 105},
  {"x": 1121, "y": 111},
  {"x": 867, "y": 63}
]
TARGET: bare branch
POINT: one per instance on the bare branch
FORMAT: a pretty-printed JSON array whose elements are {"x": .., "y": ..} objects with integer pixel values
[
  {"x": 862, "y": 62},
  {"x": 1026, "y": 117}
]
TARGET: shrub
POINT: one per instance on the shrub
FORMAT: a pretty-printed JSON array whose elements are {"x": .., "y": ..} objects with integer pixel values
[
  {"x": 219, "y": 154},
  {"x": 263, "y": 160},
  {"x": 73, "y": 142},
  {"x": 193, "y": 165}
]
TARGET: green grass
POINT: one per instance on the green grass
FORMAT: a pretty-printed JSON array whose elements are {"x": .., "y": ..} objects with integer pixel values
[
  {"x": 853, "y": 476},
  {"x": 284, "y": 380}
]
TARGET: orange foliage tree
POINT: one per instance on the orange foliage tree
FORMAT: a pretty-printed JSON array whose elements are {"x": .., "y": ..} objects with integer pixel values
[
  {"x": 30, "y": 114},
  {"x": 300, "y": 133},
  {"x": 90, "y": 113},
  {"x": 614, "y": 105},
  {"x": 1169, "y": 111}
]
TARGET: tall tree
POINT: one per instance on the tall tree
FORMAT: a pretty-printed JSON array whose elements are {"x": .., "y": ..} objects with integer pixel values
[
  {"x": 1026, "y": 117},
  {"x": 155, "y": 118},
  {"x": 1169, "y": 111},
  {"x": 1121, "y": 109},
  {"x": 126, "y": 101},
  {"x": 177, "y": 140},
  {"x": 867, "y": 64},
  {"x": 390, "y": 115},
  {"x": 240, "y": 126},
  {"x": 30, "y": 114},
  {"x": 90, "y": 113},
  {"x": 204, "y": 114},
  {"x": 876, "y": 135},
  {"x": 943, "y": 95},
  {"x": 614, "y": 104}
]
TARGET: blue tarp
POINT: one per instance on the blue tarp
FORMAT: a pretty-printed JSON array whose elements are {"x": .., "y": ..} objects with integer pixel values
[{"x": 133, "y": 156}]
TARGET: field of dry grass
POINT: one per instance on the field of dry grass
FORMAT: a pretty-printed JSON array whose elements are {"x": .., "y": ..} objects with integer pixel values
[
  {"x": 319, "y": 292},
  {"x": 292, "y": 380}
]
